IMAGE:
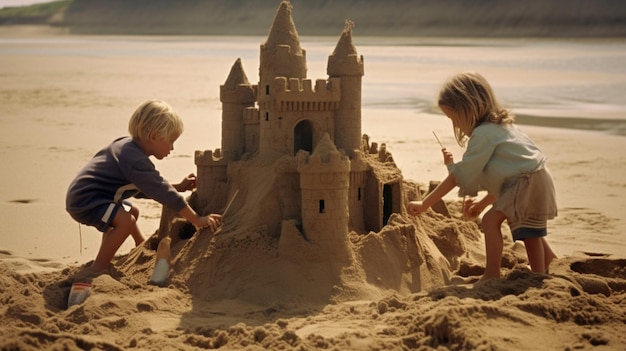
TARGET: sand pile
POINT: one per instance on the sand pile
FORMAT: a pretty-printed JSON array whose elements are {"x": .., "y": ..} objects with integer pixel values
[{"x": 231, "y": 291}]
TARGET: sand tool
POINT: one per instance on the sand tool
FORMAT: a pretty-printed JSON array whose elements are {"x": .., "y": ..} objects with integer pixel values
[
  {"x": 230, "y": 202},
  {"x": 439, "y": 141}
]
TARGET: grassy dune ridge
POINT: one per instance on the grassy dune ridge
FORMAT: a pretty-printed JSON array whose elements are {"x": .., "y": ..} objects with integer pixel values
[{"x": 493, "y": 18}]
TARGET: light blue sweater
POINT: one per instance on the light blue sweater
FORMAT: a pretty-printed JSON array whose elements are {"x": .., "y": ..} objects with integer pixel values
[{"x": 494, "y": 153}]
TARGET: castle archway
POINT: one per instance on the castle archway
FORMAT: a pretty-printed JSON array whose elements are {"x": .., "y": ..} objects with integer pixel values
[{"x": 303, "y": 136}]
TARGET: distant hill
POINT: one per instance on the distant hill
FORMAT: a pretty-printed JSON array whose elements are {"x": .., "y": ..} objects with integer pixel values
[{"x": 491, "y": 18}]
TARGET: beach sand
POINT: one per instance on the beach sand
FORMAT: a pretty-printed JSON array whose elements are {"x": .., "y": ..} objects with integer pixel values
[{"x": 56, "y": 111}]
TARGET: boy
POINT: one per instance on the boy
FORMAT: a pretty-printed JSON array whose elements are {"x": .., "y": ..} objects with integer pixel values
[{"x": 96, "y": 197}]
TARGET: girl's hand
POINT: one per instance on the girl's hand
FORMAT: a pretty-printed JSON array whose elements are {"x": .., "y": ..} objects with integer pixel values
[
  {"x": 188, "y": 183},
  {"x": 447, "y": 156},
  {"x": 471, "y": 208},
  {"x": 415, "y": 208}
]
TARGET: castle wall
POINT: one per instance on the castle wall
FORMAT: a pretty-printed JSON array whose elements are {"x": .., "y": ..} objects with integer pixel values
[
  {"x": 293, "y": 101},
  {"x": 324, "y": 207},
  {"x": 356, "y": 200},
  {"x": 251, "y": 120},
  {"x": 211, "y": 171}
]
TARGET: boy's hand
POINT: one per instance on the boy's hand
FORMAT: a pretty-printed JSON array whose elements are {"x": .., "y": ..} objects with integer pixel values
[
  {"x": 188, "y": 183},
  {"x": 416, "y": 207},
  {"x": 447, "y": 156},
  {"x": 212, "y": 221}
]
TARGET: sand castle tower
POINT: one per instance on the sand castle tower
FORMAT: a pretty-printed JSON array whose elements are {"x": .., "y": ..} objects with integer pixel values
[
  {"x": 324, "y": 183},
  {"x": 347, "y": 65},
  {"x": 236, "y": 95}
]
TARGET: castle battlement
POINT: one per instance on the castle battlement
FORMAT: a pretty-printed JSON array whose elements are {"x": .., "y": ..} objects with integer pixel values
[
  {"x": 350, "y": 65},
  {"x": 334, "y": 162},
  {"x": 326, "y": 159},
  {"x": 205, "y": 158},
  {"x": 302, "y": 89},
  {"x": 243, "y": 93},
  {"x": 299, "y": 95}
]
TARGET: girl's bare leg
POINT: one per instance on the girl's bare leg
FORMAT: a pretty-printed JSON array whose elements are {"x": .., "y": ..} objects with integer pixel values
[
  {"x": 123, "y": 225},
  {"x": 536, "y": 254},
  {"x": 494, "y": 244},
  {"x": 549, "y": 255}
]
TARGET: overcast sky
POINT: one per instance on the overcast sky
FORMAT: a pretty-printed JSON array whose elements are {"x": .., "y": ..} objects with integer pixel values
[{"x": 4, "y": 3}]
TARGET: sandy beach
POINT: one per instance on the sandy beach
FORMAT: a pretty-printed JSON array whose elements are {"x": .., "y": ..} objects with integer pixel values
[{"x": 57, "y": 110}]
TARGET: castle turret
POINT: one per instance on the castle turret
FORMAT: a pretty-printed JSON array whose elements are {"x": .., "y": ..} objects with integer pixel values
[
  {"x": 324, "y": 182},
  {"x": 236, "y": 95},
  {"x": 347, "y": 65},
  {"x": 281, "y": 56}
]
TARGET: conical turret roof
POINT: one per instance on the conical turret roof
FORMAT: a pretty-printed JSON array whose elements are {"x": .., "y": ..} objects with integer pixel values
[
  {"x": 344, "y": 45},
  {"x": 283, "y": 31},
  {"x": 236, "y": 76}
]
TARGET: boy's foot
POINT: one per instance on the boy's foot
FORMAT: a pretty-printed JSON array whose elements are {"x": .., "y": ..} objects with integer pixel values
[{"x": 86, "y": 275}]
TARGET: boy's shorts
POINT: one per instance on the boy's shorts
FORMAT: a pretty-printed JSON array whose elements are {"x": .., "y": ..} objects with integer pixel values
[{"x": 102, "y": 216}]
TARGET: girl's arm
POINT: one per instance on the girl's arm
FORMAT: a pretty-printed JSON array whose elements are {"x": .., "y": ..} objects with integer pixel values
[{"x": 418, "y": 207}]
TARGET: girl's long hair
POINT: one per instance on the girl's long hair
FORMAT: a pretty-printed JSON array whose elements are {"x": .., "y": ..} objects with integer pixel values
[{"x": 471, "y": 97}]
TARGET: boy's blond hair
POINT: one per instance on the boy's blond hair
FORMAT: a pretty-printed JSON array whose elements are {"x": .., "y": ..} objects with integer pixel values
[
  {"x": 471, "y": 97},
  {"x": 155, "y": 116}
]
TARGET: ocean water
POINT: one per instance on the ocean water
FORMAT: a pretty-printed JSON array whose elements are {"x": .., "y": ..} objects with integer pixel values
[{"x": 583, "y": 80}]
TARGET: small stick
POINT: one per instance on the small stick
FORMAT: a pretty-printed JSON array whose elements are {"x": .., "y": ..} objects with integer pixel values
[
  {"x": 230, "y": 202},
  {"x": 80, "y": 235},
  {"x": 439, "y": 141}
]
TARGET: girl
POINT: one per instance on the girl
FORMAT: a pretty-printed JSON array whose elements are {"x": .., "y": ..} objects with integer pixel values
[{"x": 502, "y": 160}]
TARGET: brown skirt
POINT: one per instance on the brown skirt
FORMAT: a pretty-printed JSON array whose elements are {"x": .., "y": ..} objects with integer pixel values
[{"x": 528, "y": 200}]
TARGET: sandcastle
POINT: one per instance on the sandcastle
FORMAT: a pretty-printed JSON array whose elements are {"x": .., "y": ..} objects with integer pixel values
[
  {"x": 320, "y": 209},
  {"x": 316, "y": 124}
]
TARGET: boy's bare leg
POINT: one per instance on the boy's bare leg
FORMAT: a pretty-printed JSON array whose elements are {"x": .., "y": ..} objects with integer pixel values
[
  {"x": 536, "y": 254},
  {"x": 494, "y": 243},
  {"x": 136, "y": 233},
  {"x": 123, "y": 225}
]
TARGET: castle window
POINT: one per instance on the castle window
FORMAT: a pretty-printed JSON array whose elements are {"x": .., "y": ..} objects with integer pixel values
[
  {"x": 267, "y": 90},
  {"x": 267, "y": 116},
  {"x": 359, "y": 194},
  {"x": 322, "y": 208}
]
